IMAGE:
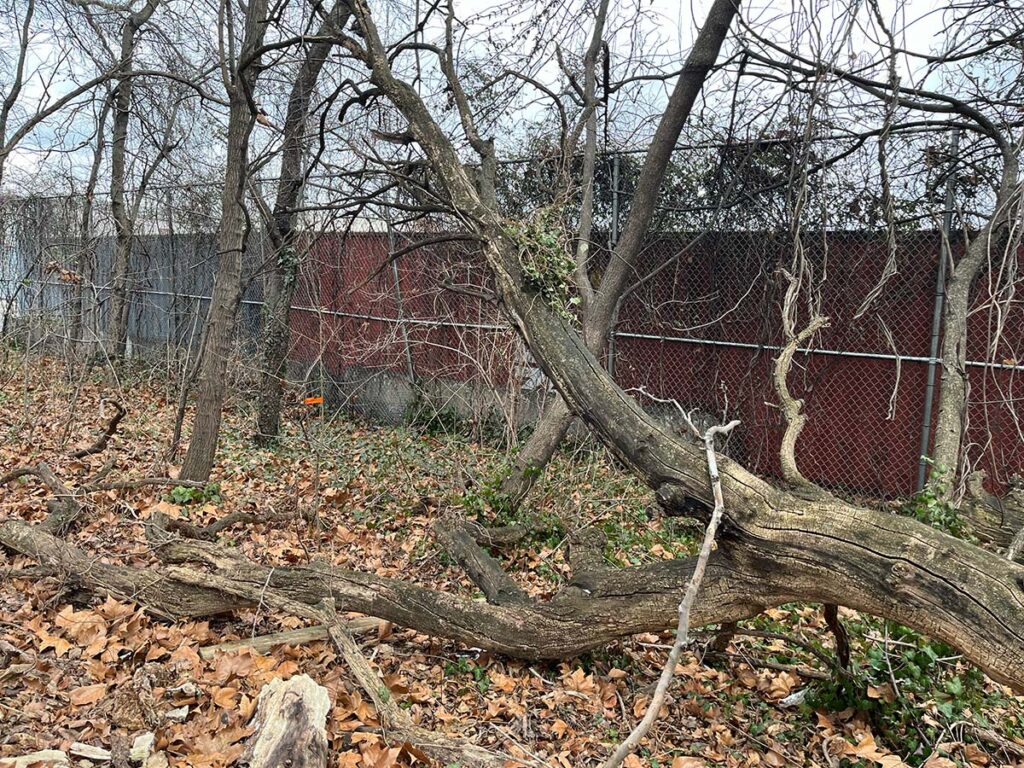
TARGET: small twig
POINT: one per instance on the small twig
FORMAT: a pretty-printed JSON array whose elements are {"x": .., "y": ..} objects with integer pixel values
[
  {"x": 821, "y": 656},
  {"x": 264, "y": 643},
  {"x": 396, "y": 723},
  {"x": 102, "y": 472},
  {"x": 796, "y": 669},
  {"x": 992, "y": 738}
]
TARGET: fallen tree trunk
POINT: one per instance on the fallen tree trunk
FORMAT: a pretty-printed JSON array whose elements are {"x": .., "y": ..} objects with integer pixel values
[
  {"x": 149, "y": 587},
  {"x": 890, "y": 566}
]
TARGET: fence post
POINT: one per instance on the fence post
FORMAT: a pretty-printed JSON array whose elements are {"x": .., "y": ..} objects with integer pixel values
[
  {"x": 614, "y": 242},
  {"x": 399, "y": 304},
  {"x": 940, "y": 297}
]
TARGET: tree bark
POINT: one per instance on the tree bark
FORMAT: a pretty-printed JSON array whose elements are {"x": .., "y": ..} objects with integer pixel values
[
  {"x": 291, "y": 725},
  {"x": 164, "y": 597},
  {"x": 947, "y": 450},
  {"x": 599, "y": 318},
  {"x": 996, "y": 522},
  {"x": 86, "y": 260},
  {"x": 797, "y": 551},
  {"x": 231, "y": 239},
  {"x": 285, "y": 268},
  {"x": 123, "y": 225}
]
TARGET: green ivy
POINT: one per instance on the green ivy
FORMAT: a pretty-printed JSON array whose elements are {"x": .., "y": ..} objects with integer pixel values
[
  {"x": 185, "y": 494},
  {"x": 545, "y": 254},
  {"x": 931, "y": 505},
  {"x": 893, "y": 681}
]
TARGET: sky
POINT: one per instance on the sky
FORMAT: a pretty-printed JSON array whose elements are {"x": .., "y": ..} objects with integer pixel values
[{"x": 664, "y": 33}]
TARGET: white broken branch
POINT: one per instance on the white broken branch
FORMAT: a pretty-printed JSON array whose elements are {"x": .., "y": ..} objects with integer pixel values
[{"x": 632, "y": 741}]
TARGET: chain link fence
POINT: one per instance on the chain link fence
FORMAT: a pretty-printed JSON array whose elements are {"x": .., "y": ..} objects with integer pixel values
[{"x": 418, "y": 336}]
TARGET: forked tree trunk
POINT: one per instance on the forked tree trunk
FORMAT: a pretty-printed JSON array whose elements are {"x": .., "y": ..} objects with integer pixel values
[
  {"x": 780, "y": 546},
  {"x": 117, "y": 323},
  {"x": 599, "y": 318},
  {"x": 231, "y": 238},
  {"x": 285, "y": 268}
]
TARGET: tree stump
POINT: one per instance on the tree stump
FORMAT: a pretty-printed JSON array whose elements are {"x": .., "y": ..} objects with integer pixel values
[{"x": 290, "y": 725}]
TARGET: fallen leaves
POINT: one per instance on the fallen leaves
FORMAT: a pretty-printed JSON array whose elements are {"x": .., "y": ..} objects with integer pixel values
[
  {"x": 92, "y": 670},
  {"x": 88, "y": 694}
]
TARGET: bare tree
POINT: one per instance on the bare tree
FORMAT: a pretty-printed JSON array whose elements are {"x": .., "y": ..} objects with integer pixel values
[
  {"x": 240, "y": 72},
  {"x": 118, "y": 321},
  {"x": 284, "y": 270},
  {"x": 87, "y": 241}
]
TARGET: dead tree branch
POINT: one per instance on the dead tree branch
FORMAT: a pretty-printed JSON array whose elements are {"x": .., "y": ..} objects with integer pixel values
[
  {"x": 103, "y": 440},
  {"x": 685, "y": 607}
]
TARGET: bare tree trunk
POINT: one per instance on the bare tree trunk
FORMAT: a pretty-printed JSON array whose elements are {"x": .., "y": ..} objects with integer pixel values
[
  {"x": 117, "y": 323},
  {"x": 549, "y": 432},
  {"x": 285, "y": 269},
  {"x": 87, "y": 246},
  {"x": 600, "y": 311},
  {"x": 231, "y": 238},
  {"x": 947, "y": 451}
]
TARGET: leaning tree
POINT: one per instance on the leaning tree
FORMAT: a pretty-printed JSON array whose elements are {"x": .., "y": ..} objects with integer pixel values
[
  {"x": 776, "y": 545},
  {"x": 786, "y": 545}
]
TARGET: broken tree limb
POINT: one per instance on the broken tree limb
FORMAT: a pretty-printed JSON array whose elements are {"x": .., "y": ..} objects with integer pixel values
[
  {"x": 496, "y": 536},
  {"x": 209, "y": 532},
  {"x": 301, "y": 636},
  {"x": 934, "y": 582},
  {"x": 119, "y": 485},
  {"x": 63, "y": 509},
  {"x": 839, "y": 632},
  {"x": 792, "y": 407},
  {"x": 396, "y": 723},
  {"x": 632, "y": 741},
  {"x": 486, "y": 572},
  {"x": 1016, "y": 548},
  {"x": 290, "y": 725},
  {"x": 153, "y": 589},
  {"x": 640, "y": 599},
  {"x": 103, "y": 440},
  {"x": 586, "y": 557}
]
